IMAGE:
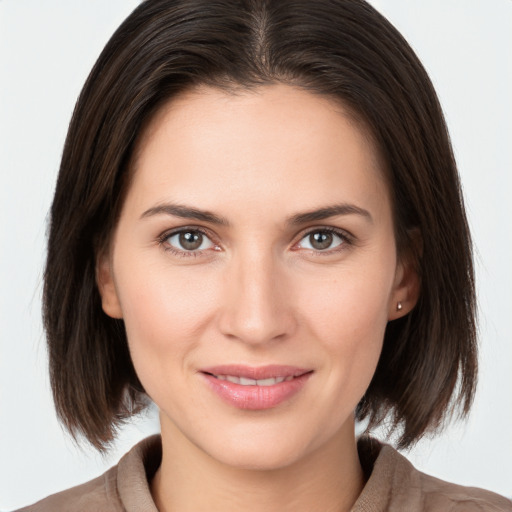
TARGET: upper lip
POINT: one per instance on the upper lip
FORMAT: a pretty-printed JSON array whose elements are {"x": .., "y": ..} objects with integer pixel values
[{"x": 256, "y": 372}]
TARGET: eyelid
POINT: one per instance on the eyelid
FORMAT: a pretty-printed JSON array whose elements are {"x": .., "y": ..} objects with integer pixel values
[
  {"x": 347, "y": 239},
  {"x": 163, "y": 237}
]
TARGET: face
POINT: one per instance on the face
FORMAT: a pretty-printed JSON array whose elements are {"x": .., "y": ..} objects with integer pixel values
[{"x": 254, "y": 265}]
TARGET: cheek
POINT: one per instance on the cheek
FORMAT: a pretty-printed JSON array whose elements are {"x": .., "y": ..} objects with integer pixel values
[
  {"x": 348, "y": 315},
  {"x": 351, "y": 305},
  {"x": 164, "y": 311}
]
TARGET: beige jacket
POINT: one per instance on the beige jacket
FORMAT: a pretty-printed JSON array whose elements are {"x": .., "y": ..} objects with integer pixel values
[{"x": 393, "y": 485}]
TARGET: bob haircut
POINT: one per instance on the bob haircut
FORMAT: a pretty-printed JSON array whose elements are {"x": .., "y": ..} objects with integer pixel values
[{"x": 342, "y": 49}]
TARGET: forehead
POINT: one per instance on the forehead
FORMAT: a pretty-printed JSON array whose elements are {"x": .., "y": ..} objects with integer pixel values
[{"x": 207, "y": 143}]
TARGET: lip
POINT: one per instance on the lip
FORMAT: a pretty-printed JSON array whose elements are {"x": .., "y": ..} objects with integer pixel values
[{"x": 254, "y": 397}]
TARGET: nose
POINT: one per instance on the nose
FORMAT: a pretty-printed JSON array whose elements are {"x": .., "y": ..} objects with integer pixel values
[{"x": 256, "y": 306}]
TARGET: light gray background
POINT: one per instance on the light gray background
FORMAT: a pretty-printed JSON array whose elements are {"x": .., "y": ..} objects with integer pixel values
[{"x": 46, "y": 51}]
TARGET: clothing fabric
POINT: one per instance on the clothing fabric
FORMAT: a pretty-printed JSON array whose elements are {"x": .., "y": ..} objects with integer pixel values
[{"x": 393, "y": 485}]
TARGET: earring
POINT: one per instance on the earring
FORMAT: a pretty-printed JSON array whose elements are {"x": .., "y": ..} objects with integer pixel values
[{"x": 399, "y": 306}]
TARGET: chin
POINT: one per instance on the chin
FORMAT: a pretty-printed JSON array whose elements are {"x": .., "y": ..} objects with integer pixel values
[
  {"x": 260, "y": 449},
  {"x": 258, "y": 458}
]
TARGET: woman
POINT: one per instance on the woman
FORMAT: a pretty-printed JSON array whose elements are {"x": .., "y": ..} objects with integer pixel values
[{"x": 251, "y": 226}]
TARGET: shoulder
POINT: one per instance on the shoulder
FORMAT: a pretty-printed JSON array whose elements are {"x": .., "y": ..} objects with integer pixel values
[
  {"x": 393, "y": 484},
  {"x": 98, "y": 494},
  {"x": 441, "y": 495},
  {"x": 122, "y": 487}
]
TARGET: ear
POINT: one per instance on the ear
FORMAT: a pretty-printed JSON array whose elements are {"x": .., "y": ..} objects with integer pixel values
[
  {"x": 407, "y": 284},
  {"x": 106, "y": 286}
]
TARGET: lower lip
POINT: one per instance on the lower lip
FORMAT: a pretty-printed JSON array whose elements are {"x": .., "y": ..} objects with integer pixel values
[{"x": 256, "y": 397}]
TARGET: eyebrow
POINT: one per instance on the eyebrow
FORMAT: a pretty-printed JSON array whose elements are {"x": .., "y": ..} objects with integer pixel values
[
  {"x": 329, "y": 211},
  {"x": 185, "y": 212},
  {"x": 189, "y": 212}
]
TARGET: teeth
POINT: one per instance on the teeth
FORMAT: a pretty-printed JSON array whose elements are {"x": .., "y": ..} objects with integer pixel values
[
  {"x": 253, "y": 382},
  {"x": 270, "y": 381},
  {"x": 247, "y": 382}
]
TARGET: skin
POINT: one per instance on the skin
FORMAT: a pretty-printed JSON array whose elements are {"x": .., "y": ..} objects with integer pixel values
[{"x": 256, "y": 292}]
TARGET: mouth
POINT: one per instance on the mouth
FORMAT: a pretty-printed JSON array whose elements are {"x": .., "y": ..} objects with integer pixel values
[
  {"x": 256, "y": 388},
  {"x": 244, "y": 381}
]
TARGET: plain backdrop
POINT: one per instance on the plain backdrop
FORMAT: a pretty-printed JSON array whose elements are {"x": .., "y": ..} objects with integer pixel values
[{"x": 46, "y": 51}]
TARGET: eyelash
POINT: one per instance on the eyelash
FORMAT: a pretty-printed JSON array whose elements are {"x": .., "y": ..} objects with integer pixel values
[
  {"x": 164, "y": 237},
  {"x": 347, "y": 240}
]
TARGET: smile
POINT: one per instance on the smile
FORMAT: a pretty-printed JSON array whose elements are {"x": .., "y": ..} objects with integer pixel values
[
  {"x": 243, "y": 381},
  {"x": 256, "y": 388}
]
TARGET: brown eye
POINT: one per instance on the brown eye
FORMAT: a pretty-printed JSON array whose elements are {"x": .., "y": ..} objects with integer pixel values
[
  {"x": 322, "y": 240},
  {"x": 189, "y": 240}
]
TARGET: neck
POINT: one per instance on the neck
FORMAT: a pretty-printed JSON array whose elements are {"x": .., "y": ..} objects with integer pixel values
[{"x": 328, "y": 479}]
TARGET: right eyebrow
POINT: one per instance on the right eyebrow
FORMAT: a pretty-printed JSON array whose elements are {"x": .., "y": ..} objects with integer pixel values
[
  {"x": 185, "y": 212},
  {"x": 330, "y": 211}
]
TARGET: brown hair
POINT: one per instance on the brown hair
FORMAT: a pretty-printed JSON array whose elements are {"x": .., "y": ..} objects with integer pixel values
[{"x": 340, "y": 48}]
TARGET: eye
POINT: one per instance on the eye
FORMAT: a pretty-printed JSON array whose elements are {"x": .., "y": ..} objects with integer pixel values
[
  {"x": 188, "y": 240},
  {"x": 322, "y": 240}
]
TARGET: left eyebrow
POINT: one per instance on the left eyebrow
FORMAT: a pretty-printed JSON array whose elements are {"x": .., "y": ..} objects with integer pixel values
[
  {"x": 185, "y": 212},
  {"x": 329, "y": 211}
]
